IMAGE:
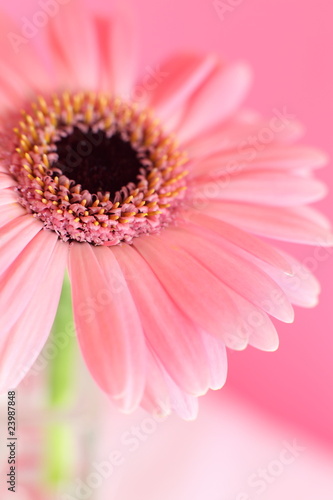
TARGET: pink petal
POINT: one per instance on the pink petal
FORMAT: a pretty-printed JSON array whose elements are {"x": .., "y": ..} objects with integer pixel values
[
  {"x": 3, "y": 164},
  {"x": 5, "y": 103},
  {"x": 238, "y": 161},
  {"x": 21, "y": 68},
  {"x": 216, "y": 359},
  {"x": 239, "y": 132},
  {"x": 316, "y": 217},
  {"x": 24, "y": 341},
  {"x": 10, "y": 212},
  {"x": 163, "y": 395},
  {"x": 265, "y": 338},
  {"x": 296, "y": 224},
  {"x": 7, "y": 197},
  {"x": 184, "y": 73},
  {"x": 73, "y": 47},
  {"x": 109, "y": 328},
  {"x": 156, "y": 398},
  {"x": 246, "y": 279},
  {"x": 257, "y": 328},
  {"x": 13, "y": 87},
  {"x": 14, "y": 237},
  {"x": 118, "y": 48},
  {"x": 215, "y": 100},
  {"x": 297, "y": 282},
  {"x": 197, "y": 292},
  {"x": 23, "y": 277},
  {"x": 268, "y": 188},
  {"x": 239, "y": 239},
  {"x": 301, "y": 288},
  {"x": 174, "y": 339},
  {"x": 184, "y": 405},
  {"x": 295, "y": 157},
  {"x": 6, "y": 181}
]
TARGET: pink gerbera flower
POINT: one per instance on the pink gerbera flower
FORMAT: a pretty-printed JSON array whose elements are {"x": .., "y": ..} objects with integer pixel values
[{"x": 154, "y": 198}]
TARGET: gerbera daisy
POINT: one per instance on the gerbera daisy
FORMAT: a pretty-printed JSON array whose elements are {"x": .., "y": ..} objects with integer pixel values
[{"x": 154, "y": 198}]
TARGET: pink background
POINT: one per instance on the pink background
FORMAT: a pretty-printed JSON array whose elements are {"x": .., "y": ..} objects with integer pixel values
[{"x": 289, "y": 44}]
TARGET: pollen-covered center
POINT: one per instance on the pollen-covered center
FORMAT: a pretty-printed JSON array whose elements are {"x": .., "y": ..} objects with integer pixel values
[{"x": 96, "y": 169}]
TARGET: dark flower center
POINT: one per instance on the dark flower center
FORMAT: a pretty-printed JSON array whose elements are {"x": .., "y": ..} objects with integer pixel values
[{"x": 97, "y": 162}]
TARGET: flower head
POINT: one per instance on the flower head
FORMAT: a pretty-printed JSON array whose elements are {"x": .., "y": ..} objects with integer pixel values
[{"x": 154, "y": 203}]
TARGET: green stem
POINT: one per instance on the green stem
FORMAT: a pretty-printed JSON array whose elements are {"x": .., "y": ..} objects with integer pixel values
[
  {"x": 60, "y": 439},
  {"x": 61, "y": 375}
]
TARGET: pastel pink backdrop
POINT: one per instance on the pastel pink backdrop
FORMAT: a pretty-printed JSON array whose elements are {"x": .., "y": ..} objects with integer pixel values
[{"x": 288, "y": 43}]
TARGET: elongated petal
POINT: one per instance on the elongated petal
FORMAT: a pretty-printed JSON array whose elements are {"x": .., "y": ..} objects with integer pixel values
[
  {"x": 216, "y": 359},
  {"x": 14, "y": 237},
  {"x": 24, "y": 341},
  {"x": 183, "y": 404},
  {"x": 197, "y": 291},
  {"x": 296, "y": 224},
  {"x": 301, "y": 287},
  {"x": 238, "y": 274},
  {"x": 244, "y": 159},
  {"x": 267, "y": 188},
  {"x": 108, "y": 325},
  {"x": 23, "y": 277},
  {"x": 6, "y": 181},
  {"x": 118, "y": 47},
  {"x": 7, "y": 197},
  {"x": 162, "y": 394},
  {"x": 73, "y": 47},
  {"x": 21, "y": 68},
  {"x": 257, "y": 328},
  {"x": 182, "y": 75},
  {"x": 239, "y": 239},
  {"x": 247, "y": 126},
  {"x": 156, "y": 397},
  {"x": 174, "y": 338},
  {"x": 215, "y": 100},
  {"x": 10, "y": 212}
]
